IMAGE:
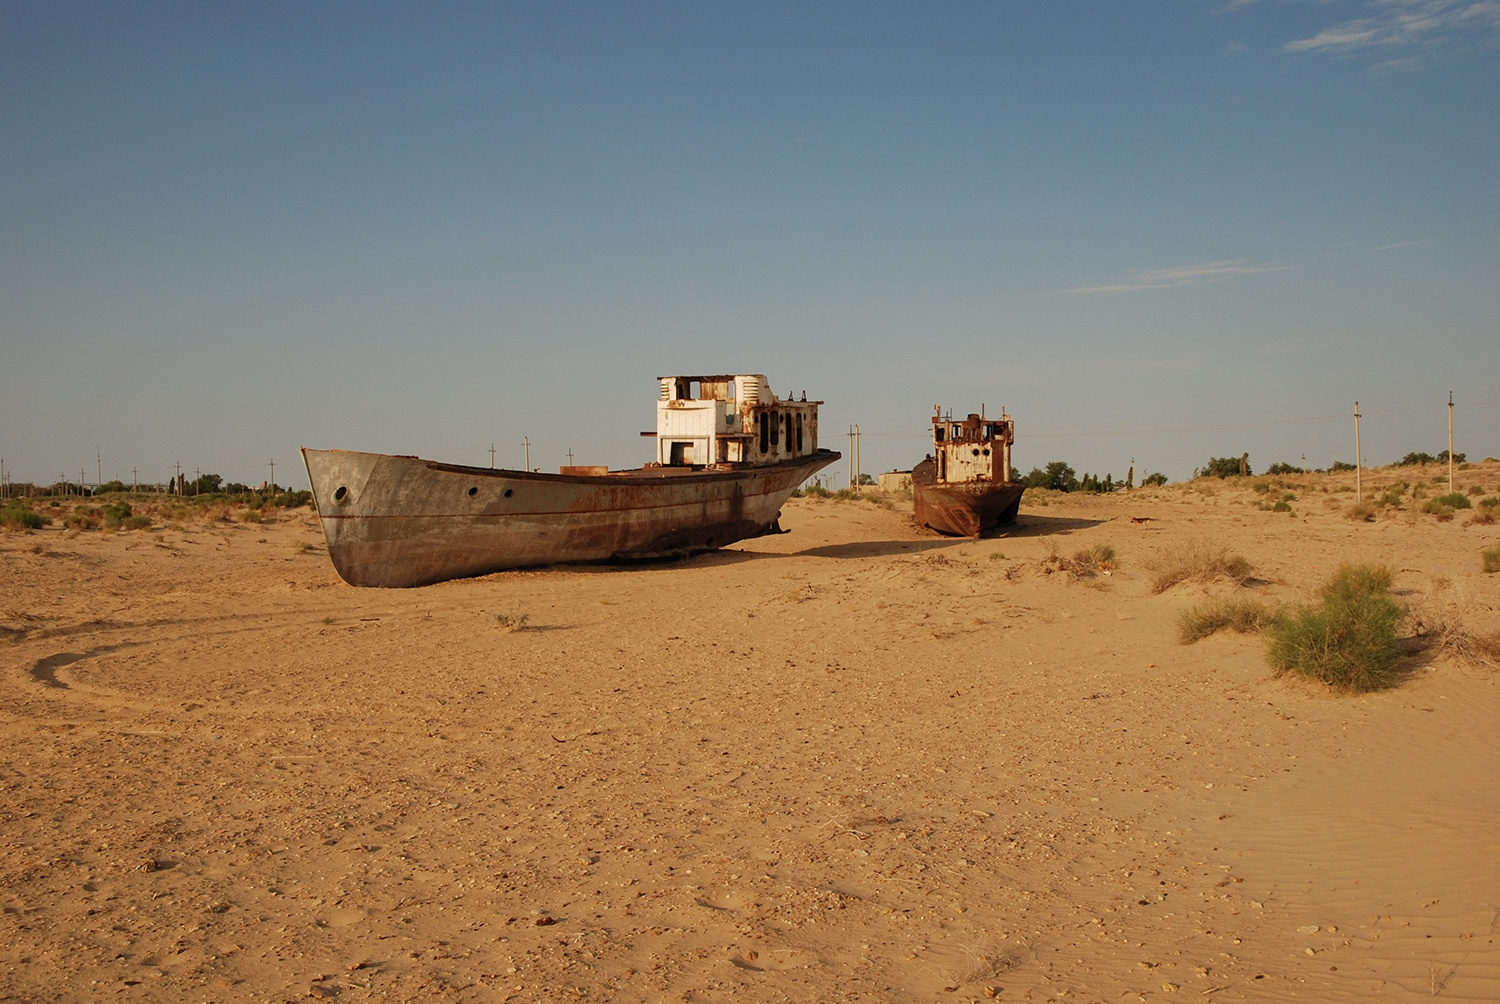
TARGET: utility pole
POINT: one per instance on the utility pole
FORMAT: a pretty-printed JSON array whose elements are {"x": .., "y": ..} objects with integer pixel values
[
  {"x": 99, "y": 456},
  {"x": 177, "y": 480},
  {"x": 570, "y": 456},
  {"x": 526, "y": 442},
  {"x": 197, "y": 480},
  {"x": 851, "y": 458},
  {"x": 273, "y": 475},
  {"x": 859, "y": 467},
  {"x": 1358, "y": 459},
  {"x": 492, "y": 456},
  {"x": 80, "y": 482},
  {"x": 1450, "y": 442},
  {"x": 134, "y": 481}
]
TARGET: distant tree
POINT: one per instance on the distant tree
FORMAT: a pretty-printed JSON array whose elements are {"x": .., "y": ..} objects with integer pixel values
[
  {"x": 112, "y": 486},
  {"x": 1340, "y": 465},
  {"x": 1058, "y": 477},
  {"x": 1458, "y": 458},
  {"x": 1228, "y": 467},
  {"x": 1284, "y": 469},
  {"x": 1153, "y": 479},
  {"x": 866, "y": 479},
  {"x": 1413, "y": 459},
  {"x": 207, "y": 484},
  {"x": 235, "y": 488}
]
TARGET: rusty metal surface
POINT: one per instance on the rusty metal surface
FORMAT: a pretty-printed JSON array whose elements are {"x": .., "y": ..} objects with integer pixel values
[{"x": 404, "y": 521}]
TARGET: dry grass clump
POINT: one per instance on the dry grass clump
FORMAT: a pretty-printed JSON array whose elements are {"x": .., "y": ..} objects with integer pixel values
[
  {"x": 1247, "y": 616},
  {"x": 1346, "y": 640},
  {"x": 1360, "y": 511},
  {"x": 511, "y": 622},
  {"x": 1199, "y": 562},
  {"x": 1085, "y": 562},
  {"x": 1490, "y": 559}
]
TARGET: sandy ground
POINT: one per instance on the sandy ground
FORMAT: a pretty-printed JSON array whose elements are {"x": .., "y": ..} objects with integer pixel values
[{"x": 854, "y": 762}]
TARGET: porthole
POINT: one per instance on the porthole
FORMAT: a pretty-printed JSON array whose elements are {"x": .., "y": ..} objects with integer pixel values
[
  {"x": 341, "y": 494},
  {"x": 509, "y": 492},
  {"x": 473, "y": 492}
]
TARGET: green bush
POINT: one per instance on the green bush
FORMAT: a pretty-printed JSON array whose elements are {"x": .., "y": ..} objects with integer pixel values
[
  {"x": 1454, "y": 500},
  {"x": 16, "y": 516},
  {"x": 1348, "y": 639}
]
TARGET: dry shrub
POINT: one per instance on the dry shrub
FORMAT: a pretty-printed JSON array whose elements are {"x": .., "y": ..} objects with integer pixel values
[
  {"x": 1361, "y": 511},
  {"x": 1247, "y": 616},
  {"x": 1085, "y": 562},
  {"x": 1199, "y": 562}
]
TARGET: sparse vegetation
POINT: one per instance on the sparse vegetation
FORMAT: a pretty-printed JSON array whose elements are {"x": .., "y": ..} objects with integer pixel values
[
  {"x": 1245, "y": 615},
  {"x": 1360, "y": 511},
  {"x": 1156, "y": 480},
  {"x": 1348, "y": 639},
  {"x": 1200, "y": 562}
]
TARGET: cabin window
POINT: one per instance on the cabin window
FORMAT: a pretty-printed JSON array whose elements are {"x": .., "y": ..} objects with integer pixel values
[
  {"x": 765, "y": 432},
  {"x": 789, "y": 439},
  {"x": 775, "y": 429},
  {"x": 937, "y": 433},
  {"x": 799, "y": 432}
]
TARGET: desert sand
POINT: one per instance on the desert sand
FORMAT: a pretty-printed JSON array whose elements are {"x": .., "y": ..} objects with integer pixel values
[{"x": 855, "y": 762}]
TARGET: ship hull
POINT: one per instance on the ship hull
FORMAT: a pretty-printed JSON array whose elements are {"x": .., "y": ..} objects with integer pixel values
[
  {"x": 402, "y": 521},
  {"x": 964, "y": 509}
]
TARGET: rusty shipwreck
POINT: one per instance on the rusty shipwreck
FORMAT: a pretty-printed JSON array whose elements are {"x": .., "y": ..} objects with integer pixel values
[
  {"x": 963, "y": 488},
  {"x": 728, "y": 454}
]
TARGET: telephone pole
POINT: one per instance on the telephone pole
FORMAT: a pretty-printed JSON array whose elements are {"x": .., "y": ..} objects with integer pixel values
[
  {"x": 492, "y": 456},
  {"x": 99, "y": 457},
  {"x": 526, "y": 443},
  {"x": 1358, "y": 460},
  {"x": 177, "y": 480},
  {"x": 1450, "y": 442},
  {"x": 273, "y": 475}
]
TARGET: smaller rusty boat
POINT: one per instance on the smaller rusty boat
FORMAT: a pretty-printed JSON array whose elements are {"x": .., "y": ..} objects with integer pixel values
[
  {"x": 963, "y": 488},
  {"x": 728, "y": 454}
]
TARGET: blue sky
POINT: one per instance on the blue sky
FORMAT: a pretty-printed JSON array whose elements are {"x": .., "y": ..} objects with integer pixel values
[{"x": 1156, "y": 231}]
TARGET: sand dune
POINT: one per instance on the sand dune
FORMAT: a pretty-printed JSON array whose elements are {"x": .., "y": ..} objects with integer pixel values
[{"x": 854, "y": 762}]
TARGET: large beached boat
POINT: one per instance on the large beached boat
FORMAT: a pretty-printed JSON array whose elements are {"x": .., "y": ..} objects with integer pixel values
[
  {"x": 728, "y": 454},
  {"x": 963, "y": 488}
]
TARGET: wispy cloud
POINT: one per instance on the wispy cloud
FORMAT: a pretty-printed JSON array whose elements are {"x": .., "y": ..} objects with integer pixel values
[
  {"x": 1182, "y": 275},
  {"x": 1394, "y": 24}
]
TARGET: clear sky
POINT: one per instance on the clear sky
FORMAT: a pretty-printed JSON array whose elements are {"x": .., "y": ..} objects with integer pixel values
[{"x": 1159, "y": 231}]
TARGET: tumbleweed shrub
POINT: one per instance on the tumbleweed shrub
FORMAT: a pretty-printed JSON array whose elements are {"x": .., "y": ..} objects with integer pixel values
[
  {"x": 1347, "y": 640},
  {"x": 1199, "y": 562},
  {"x": 1363, "y": 512},
  {"x": 1222, "y": 613},
  {"x": 1490, "y": 558}
]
